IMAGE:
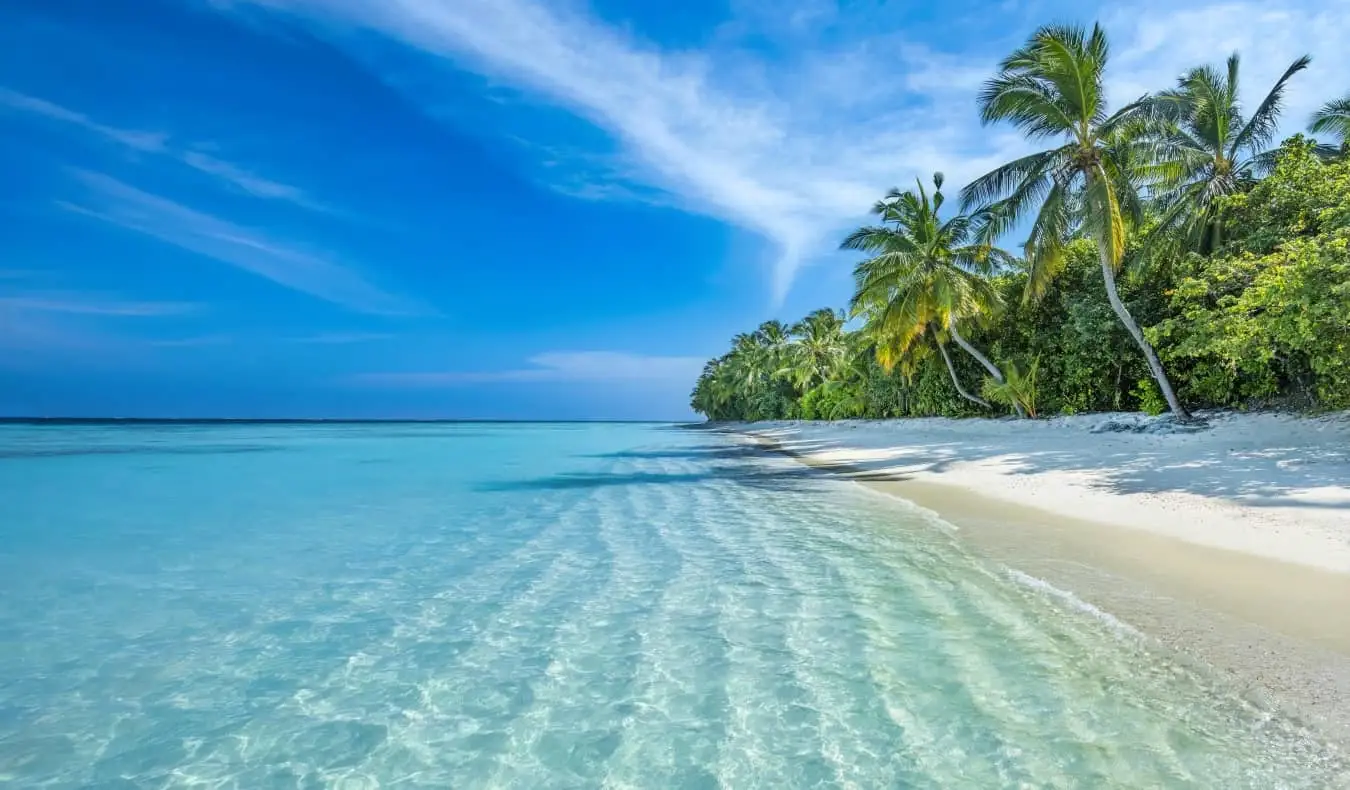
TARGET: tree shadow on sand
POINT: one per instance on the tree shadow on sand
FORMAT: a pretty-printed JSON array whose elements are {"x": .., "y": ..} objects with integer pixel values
[{"x": 1256, "y": 477}]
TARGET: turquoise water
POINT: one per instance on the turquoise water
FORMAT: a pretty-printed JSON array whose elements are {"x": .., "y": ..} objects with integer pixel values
[{"x": 550, "y": 606}]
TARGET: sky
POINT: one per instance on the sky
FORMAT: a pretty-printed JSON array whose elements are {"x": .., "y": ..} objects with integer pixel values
[{"x": 507, "y": 209}]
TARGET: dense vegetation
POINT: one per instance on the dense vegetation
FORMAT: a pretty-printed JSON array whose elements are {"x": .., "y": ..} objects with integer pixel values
[{"x": 1175, "y": 259}]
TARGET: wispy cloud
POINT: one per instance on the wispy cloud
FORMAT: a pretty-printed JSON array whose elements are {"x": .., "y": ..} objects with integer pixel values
[
  {"x": 797, "y": 147},
  {"x": 197, "y": 341},
  {"x": 144, "y": 142},
  {"x": 25, "y": 333},
  {"x": 86, "y": 305},
  {"x": 1158, "y": 41},
  {"x": 38, "y": 325},
  {"x": 796, "y": 158},
  {"x": 159, "y": 143},
  {"x": 555, "y": 366},
  {"x": 284, "y": 264},
  {"x": 342, "y": 338}
]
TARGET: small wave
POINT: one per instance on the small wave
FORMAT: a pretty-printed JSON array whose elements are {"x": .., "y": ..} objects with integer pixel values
[{"x": 1074, "y": 602}]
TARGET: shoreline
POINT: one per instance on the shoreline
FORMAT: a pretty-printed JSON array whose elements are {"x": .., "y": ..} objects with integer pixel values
[
  {"x": 1276, "y": 629},
  {"x": 1271, "y": 485}
]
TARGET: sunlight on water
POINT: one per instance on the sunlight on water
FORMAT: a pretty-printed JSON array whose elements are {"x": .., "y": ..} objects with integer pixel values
[{"x": 553, "y": 606}]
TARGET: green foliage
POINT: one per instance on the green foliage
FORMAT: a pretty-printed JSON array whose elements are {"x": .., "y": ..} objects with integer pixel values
[
  {"x": 1303, "y": 195},
  {"x": 832, "y": 401},
  {"x": 1151, "y": 400},
  {"x": 1087, "y": 185},
  {"x": 1246, "y": 297},
  {"x": 1018, "y": 388},
  {"x": 1206, "y": 151},
  {"x": 921, "y": 272},
  {"x": 1087, "y": 360},
  {"x": 1264, "y": 320},
  {"x": 1268, "y": 318}
]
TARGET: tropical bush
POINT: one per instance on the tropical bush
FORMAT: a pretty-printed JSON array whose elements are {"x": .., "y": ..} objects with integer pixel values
[
  {"x": 1018, "y": 390},
  {"x": 1267, "y": 320}
]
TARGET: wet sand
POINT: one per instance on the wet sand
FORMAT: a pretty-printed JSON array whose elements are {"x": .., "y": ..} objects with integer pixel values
[{"x": 1278, "y": 630}]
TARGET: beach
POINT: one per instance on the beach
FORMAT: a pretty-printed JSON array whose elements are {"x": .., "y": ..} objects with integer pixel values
[{"x": 1229, "y": 545}]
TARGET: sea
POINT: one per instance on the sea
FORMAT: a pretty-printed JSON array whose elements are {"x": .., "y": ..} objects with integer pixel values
[{"x": 554, "y": 605}]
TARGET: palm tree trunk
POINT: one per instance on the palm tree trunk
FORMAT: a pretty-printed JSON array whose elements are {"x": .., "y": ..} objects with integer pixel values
[
  {"x": 960, "y": 390},
  {"x": 983, "y": 360},
  {"x": 1154, "y": 365}
]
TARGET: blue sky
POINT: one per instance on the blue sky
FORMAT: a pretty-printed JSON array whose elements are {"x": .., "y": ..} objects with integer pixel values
[{"x": 490, "y": 208}]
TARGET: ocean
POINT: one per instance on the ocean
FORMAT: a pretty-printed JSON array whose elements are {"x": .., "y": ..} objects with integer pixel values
[{"x": 490, "y": 605}]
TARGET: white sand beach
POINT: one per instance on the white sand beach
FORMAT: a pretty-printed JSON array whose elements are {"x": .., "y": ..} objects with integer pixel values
[
  {"x": 1272, "y": 485},
  {"x": 1230, "y": 545}
]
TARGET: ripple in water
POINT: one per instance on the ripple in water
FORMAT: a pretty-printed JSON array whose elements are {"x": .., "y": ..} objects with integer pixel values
[{"x": 511, "y": 606}]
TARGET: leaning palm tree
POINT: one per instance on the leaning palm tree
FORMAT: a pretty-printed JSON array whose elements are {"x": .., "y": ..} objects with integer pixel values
[
  {"x": 925, "y": 275},
  {"x": 1052, "y": 89},
  {"x": 1205, "y": 151},
  {"x": 1334, "y": 119},
  {"x": 905, "y": 350}
]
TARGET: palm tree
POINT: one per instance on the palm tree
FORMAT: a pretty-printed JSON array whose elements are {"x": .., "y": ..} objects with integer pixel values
[
  {"x": 1334, "y": 119},
  {"x": 907, "y": 350},
  {"x": 713, "y": 393},
  {"x": 1206, "y": 151},
  {"x": 1052, "y": 89},
  {"x": 752, "y": 368},
  {"x": 925, "y": 275},
  {"x": 773, "y": 336},
  {"x": 819, "y": 349}
]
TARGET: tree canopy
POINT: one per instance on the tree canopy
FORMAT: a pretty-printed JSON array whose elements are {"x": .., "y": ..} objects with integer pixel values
[{"x": 1168, "y": 222}]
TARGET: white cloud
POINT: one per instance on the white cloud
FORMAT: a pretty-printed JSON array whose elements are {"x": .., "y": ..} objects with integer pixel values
[
  {"x": 797, "y": 147},
  {"x": 557, "y": 366},
  {"x": 85, "y": 305},
  {"x": 797, "y": 156},
  {"x": 1155, "y": 45},
  {"x": 198, "y": 341},
  {"x": 158, "y": 143},
  {"x": 342, "y": 338},
  {"x": 284, "y": 264},
  {"x": 144, "y": 142},
  {"x": 36, "y": 325}
]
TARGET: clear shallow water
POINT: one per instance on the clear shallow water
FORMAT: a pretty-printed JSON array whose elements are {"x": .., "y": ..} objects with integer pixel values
[{"x": 553, "y": 606}]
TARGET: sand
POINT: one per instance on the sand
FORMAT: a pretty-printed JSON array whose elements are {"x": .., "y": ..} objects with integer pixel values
[
  {"x": 1275, "y": 486},
  {"x": 1230, "y": 546}
]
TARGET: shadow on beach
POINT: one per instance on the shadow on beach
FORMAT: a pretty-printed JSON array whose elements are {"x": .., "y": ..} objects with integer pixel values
[{"x": 1264, "y": 476}]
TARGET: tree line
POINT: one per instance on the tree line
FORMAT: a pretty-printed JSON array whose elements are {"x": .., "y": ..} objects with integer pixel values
[{"x": 1174, "y": 259}]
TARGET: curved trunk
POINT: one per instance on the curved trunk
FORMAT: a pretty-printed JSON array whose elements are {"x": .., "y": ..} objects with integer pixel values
[
  {"x": 1154, "y": 365},
  {"x": 983, "y": 360},
  {"x": 960, "y": 390}
]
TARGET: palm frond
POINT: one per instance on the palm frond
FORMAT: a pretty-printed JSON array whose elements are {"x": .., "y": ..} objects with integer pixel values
[
  {"x": 1332, "y": 118},
  {"x": 1045, "y": 247},
  {"x": 1260, "y": 129},
  {"x": 1073, "y": 61},
  {"x": 1028, "y": 103},
  {"x": 1104, "y": 219},
  {"x": 997, "y": 183},
  {"x": 1131, "y": 121}
]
